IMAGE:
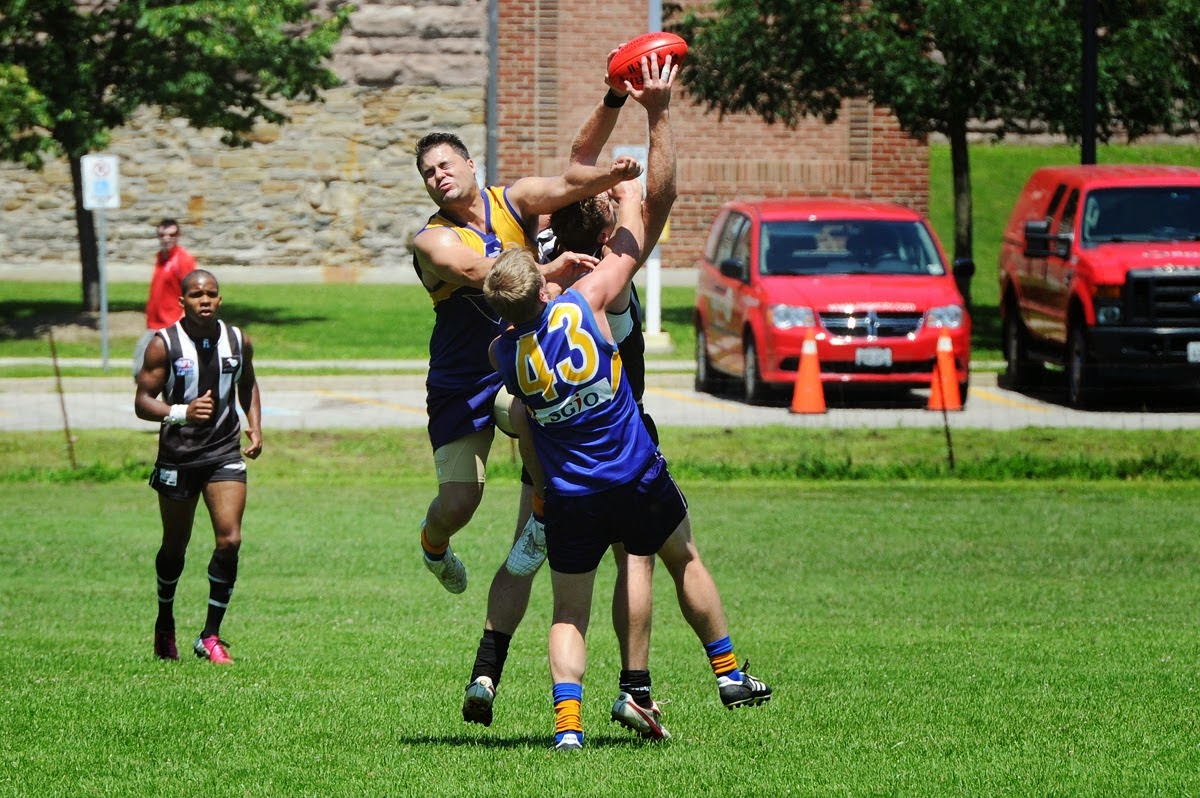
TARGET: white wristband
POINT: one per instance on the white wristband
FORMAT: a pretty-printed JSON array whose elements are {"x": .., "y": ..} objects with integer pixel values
[{"x": 177, "y": 416}]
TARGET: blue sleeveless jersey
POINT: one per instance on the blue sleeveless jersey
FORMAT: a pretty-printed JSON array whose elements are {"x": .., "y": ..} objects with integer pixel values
[{"x": 586, "y": 426}]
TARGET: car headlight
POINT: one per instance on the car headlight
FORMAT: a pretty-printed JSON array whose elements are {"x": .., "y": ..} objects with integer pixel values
[
  {"x": 1108, "y": 314},
  {"x": 787, "y": 316},
  {"x": 949, "y": 317},
  {"x": 1108, "y": 304}
]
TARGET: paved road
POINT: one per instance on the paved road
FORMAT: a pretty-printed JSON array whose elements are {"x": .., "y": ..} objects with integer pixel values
[{"x": 374, "y": 401}]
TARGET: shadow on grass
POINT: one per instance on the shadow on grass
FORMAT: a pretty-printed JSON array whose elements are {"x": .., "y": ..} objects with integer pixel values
[
  {"x": 592, "y": 740},
  {"x": 25, "y": 320}
]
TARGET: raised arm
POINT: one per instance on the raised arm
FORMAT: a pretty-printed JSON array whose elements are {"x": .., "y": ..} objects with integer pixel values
[
  {"x": 596, "y": 129},
  {"x": 661, "y": 189},
  {"x": 536, "y": 195}
]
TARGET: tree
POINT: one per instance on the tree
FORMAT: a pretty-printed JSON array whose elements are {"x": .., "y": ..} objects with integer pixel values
[
  {"x": 71, "y": 72},
  {"x": 942, "y": 66}
]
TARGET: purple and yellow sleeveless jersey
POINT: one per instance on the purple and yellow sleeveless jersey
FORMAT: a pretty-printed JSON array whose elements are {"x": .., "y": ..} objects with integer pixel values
[
  {"x": 586, "y": 426},
  {"x": 461, "y": 383}
]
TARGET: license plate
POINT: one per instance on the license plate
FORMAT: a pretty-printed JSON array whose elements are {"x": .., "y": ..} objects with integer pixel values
[
  {"x": 1194, "y": 351},
  {"x": 881, "y": 356}
]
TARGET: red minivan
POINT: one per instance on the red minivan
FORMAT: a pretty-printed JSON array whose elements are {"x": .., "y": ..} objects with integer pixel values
[{"x": 869, "y": 278}]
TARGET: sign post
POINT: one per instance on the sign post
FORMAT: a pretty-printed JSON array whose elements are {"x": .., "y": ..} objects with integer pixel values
[{"x": 101, "y": 191}]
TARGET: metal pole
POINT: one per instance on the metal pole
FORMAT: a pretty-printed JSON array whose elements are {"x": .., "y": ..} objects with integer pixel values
[
  {"x": 491, "y": 153},
  {"x": 654, "y": 262},
  {"x": 103, "y": 291},
  {"x": 1087, "y": 149}
]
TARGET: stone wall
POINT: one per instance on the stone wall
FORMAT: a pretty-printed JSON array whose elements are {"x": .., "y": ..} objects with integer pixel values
[{"x": 336, "y": 188}]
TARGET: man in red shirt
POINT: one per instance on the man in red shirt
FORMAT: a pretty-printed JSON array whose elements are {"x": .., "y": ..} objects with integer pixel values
[{"x": 163, "y": 309}]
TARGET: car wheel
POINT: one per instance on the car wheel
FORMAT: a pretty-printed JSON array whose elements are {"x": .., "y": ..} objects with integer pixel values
[
  {"x": 706, "y": 381},
  {"x": 1081, "y": 373},
  {"x": 753, "y": 390},
  {"x": 1022, "y": 372}
]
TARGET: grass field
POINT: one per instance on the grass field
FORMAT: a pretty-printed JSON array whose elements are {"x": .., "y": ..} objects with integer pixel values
[
  {"x": 924, "y": 637},
  {"x": 1025, "y": 625}
]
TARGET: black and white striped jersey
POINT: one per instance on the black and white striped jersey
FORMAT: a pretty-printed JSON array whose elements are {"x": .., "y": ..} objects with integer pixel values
[{"x": 195, "y": 366}]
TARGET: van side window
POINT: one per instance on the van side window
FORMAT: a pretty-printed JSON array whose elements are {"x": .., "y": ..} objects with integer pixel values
[
  {"x": 734, "y": 242},
  {"x": 741, "y": 247}
]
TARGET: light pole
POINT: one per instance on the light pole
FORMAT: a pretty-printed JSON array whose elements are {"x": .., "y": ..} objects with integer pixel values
[{"x": 1087, "y": 144}]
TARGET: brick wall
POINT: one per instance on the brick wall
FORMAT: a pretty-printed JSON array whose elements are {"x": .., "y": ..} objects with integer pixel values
[{"x": 551, "y": 74}]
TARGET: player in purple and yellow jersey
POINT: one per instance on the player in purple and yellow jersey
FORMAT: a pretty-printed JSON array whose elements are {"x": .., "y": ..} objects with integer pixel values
[{"x": 452, "y": 254}]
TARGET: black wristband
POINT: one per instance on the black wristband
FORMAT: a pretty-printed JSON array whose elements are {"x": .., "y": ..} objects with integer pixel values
[{"x": 614, "y": 100}]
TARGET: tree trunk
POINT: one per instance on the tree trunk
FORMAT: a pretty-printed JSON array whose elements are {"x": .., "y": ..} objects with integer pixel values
[
  {"x": 89, "y": 253},
  {"x": 960, "y": 165}
]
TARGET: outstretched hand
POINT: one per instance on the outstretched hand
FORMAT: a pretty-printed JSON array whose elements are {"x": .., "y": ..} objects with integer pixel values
[
  {"x": 657, "y": 80},
  {"x": 568, "y": 267}
]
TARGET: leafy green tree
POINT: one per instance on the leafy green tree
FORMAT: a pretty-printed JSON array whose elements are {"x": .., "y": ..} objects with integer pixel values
[
  {"x": 943, "y": 66},
  {"x": 71, "y": 72}
]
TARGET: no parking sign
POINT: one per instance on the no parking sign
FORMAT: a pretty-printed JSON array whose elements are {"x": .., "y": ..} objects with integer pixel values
[{"x": 101, "y": 182}]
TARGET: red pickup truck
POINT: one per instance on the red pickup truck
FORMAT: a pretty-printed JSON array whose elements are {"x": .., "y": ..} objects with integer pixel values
[{"x": 1100, "y": 274}]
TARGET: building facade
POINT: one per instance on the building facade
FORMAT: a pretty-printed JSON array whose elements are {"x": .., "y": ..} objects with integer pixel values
[{"x": 337, "y": 188}]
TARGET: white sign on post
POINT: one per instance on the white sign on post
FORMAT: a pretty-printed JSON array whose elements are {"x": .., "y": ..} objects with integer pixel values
[
  {"x": 101, "y": 182},
  {"x": 101, "y": 192}
]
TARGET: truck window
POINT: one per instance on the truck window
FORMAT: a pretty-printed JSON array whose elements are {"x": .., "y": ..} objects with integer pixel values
[
  {"x": 1151, "y": 213},
  {"x": 1066, "y": 225},
  {"x": 1057, "y": 198}
]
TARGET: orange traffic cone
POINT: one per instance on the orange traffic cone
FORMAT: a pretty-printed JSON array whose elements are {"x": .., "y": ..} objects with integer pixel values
[
  {"x": 809, "y": 396},
  {"x": 943, "y": 386}
]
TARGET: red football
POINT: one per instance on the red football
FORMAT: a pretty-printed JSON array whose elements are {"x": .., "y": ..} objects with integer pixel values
[{"x": 626, "y": 63}]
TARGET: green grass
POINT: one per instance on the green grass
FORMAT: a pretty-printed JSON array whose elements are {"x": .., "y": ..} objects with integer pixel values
[
  {"x": 286, "y": 322},
  {"x": 924, "y": 637}
]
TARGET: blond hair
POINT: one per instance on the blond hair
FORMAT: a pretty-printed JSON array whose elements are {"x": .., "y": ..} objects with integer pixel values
[{"x": 513, "y": 286}]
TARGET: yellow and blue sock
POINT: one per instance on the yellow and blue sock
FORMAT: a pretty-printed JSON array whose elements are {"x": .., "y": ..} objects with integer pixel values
[
  {"x": 722, "y": 660},
  {"x": 567, "y": 718}
]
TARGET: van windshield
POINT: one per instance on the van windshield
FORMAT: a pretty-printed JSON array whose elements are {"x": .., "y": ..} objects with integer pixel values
[
  {"x": 847, "y": 247},
  {"x": 1158, "y": 213}
]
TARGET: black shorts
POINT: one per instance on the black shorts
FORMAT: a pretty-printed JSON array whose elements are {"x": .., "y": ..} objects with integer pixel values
[
  {"x": 641, "y": 514},
  {"x": 181, "y": 484}
]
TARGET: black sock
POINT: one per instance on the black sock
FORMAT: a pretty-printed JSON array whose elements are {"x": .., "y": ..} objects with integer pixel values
[
  {"x": 222, "y": 574},
  {"x": 637, "y": 684},
  {"x": 491, "y": 655},
  {"x": 167, "y": 571}
]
